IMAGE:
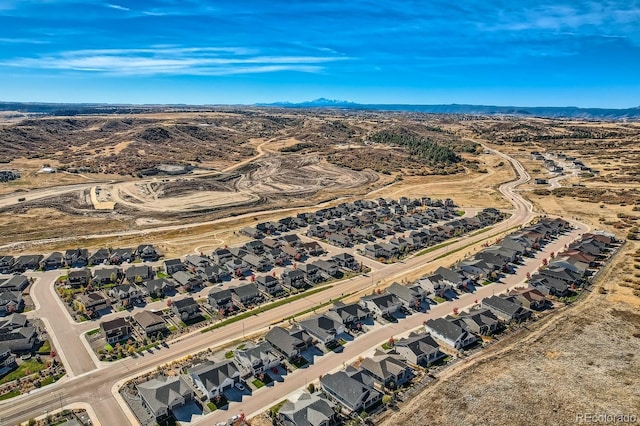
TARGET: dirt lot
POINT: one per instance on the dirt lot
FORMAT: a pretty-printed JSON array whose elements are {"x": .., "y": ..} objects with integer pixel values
[{"x": 584, "y": 359}]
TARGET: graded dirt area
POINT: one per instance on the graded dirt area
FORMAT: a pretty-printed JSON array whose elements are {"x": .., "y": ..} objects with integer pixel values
[{"x": 582, "y": 359}]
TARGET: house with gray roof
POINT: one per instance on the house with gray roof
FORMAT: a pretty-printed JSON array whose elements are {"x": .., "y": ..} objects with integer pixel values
[
  {"x": 388, "y": 370},
  {"x": 158, "y": 288},
  {"x": 480, "y": 321},
  {"x": 352, "y": 389},
  {"x": 186, "y": 309},
  {"x": 115, "y": 330},
  {"x": 220, "y": 298},
  {"x": 188, "y": 280},
  {"x": 16, "y": 333},
  {"x": 76, "y": 258},
  {"x": 308, "y": 410},
  {"x": 505, "y": 309},
  {"x": 104, "y": 276},
  {"x": 383, "y": 304},
  {"x": 411, "y": 296},
  {"x": 15, "y": 283},
  {"x": 290, "y": 343},
  {"x": 212, "y": 379},
  {"x": 246, "y": 294},
  {"x": 257, "y": 358},
  {"x": 163, "y": 394},
  {"x": 419, "y": 349},
  {"x": 450, "y": 333},
  {"x": 150, "y": 322},
  {"x": 324, "y": 328},
  {"x": 268, "y": 284},
  {"x": 54, "y": 260},
  {"x": 352, "y": 315},
  {"x": 172, "y": 266}
]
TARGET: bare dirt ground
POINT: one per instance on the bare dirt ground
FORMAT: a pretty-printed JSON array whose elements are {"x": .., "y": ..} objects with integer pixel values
[{"x": 582, "y": 359}]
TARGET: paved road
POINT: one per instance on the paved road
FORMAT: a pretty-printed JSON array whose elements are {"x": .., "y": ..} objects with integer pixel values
[
  {"x": 61, "y": 329},
  {"x": 94, "y": 387}
]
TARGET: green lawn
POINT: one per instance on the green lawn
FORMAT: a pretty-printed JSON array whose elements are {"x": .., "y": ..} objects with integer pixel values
[
  {"x": 92, "y": 332},
  {"x": 48, "y": 381},
  {"x": 108, "y": 347},
  {"x": 386, "y": 346},
  {"x": 212, "y": 406},
  {"x": 162, "y": 275},
  {"x": 27, "y": 367},
  {"x": 229, "y": 355},
  {"x": 258, "y": 383},
  {"x": 439, "y": 299},
  {"x": 299, "y": 362},
  {"x": 45, "y": 348},
  {"x": 276, "y": 407},
  {"x": 172, "y": 328},
  {"x": 8, "y": 395}
]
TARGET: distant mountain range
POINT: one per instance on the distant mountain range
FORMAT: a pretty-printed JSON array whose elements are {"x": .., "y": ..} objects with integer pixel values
[{"x": 550, "y": 112}]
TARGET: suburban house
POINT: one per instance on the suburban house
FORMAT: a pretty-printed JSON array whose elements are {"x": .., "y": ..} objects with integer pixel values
[
  {"x": 322, "y": 327},
  {"x": 79, "y": 277},
  {"x": 293, "y": 278},
  {"x": 7, "y": 360},
  {"x": 268, "y": 284},
  {"x": 256, "y": 262},
  {"x": 257, "y": 358},
  {"x": 53, "y": 261},
  {"x": 28, "y": 261},
  {"x": 10, "y": 301},
  {"x": 388, "y": 370},
  {"x": 221, "y": 298},
  {"x": 450, "y": 333},
  {"x": 172, "y": 266},
  {"x": 505, "y": 309},
  {"x": 549, "y": 286},
  {"x": 150, "y": 322},
  {"x": 529, "y": 298},
  {"x": 352, "y": 315},
  {"x": 15, "y": 283},
  {"x": 419, "y": 349},
  {"x": 212, "y": 379},
  {"x": 147, "y": 253},
  {"x": 196, "y": 261},
  {"x": 163, "y": 394},
  {"x": 346, "y": 261},
  {"x": 212, "y": 273},
  {"x": 99, "y": 257},
  {"x": 313, "y": 248},
  {"x": 115, "y": 330},
  {"x": 138, "y": 273},
  {"x": 125, "y": 293},
  {"x": 121, "y": 255},
  {"x": 185, "y": 309},
  {"x": 221, "y": 256},
  {"x": 76, "y": 258},
  {"x": 410, "y": 296},
  {"x": 246, "y": 294},
  {"x": 104, "y": 276},
  {"x": 6, "y": 262},
  {"x": 91, "y": 303},
  {"x": 311, "y": 272},
  {"x": 158, "y": 288},
  {"x": 16, "y": 334},
  {"x": 290, "y": 343},
  {"x": 352, "y": 389},
  {"x": 480, "y": 321},
  {"x": 188, "y": 280},
  {"x": 308, "y": 410},
  {"x": 381, "y": 305},
  {"x": 436, "y": 284},
  {"x": 328, "y": 268}
]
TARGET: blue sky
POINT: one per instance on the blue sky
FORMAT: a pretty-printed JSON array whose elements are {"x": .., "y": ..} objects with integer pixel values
[{"x": 542, "y": 53}]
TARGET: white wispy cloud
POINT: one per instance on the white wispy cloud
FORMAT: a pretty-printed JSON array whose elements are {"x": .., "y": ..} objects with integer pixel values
[
  {"x": 10, "y": 40},
  {"x": 174, "y": 61},
  {"x": 118, "y": 7}
]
